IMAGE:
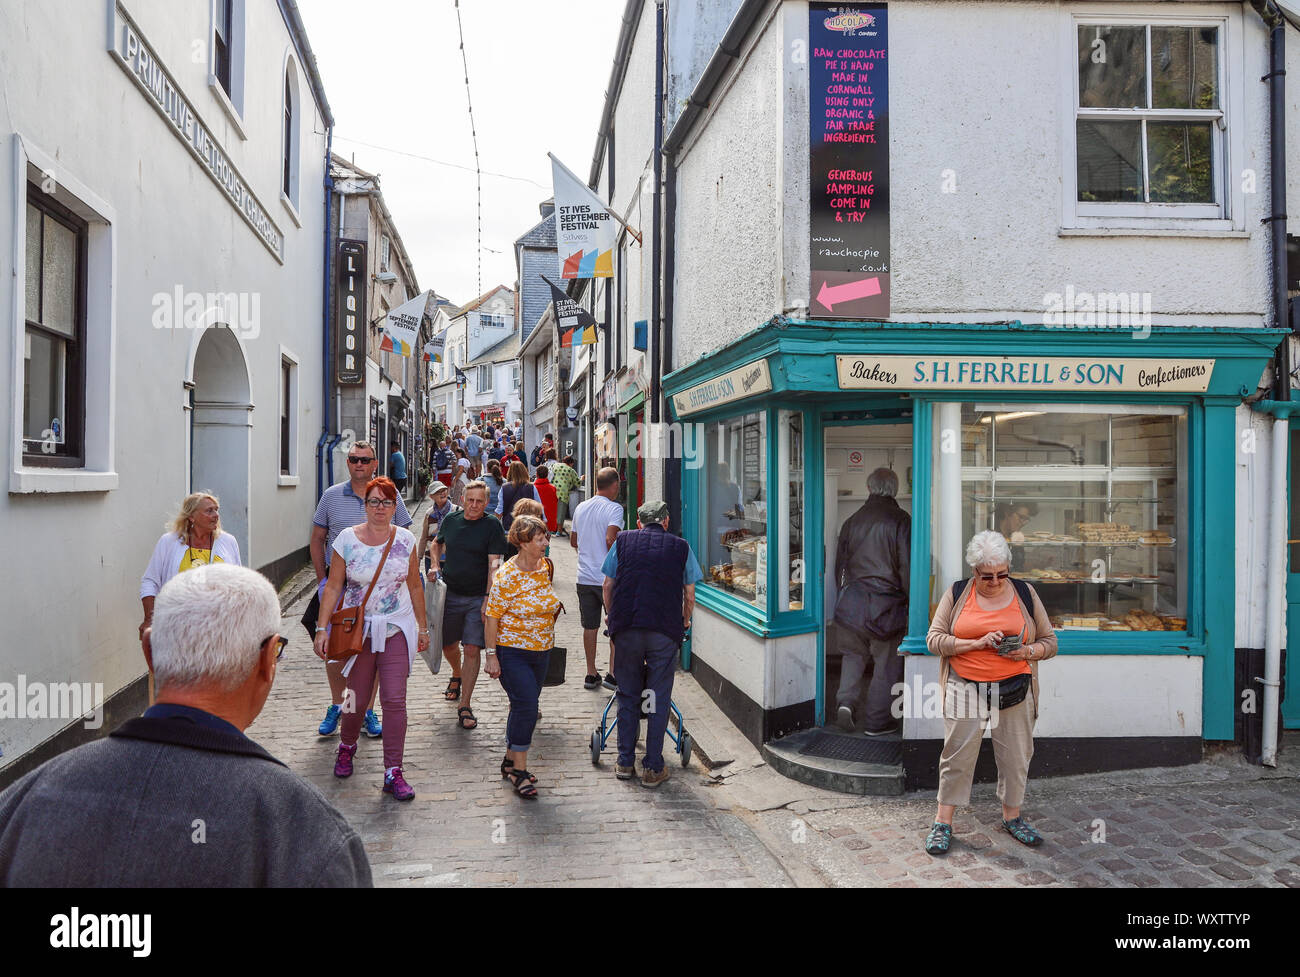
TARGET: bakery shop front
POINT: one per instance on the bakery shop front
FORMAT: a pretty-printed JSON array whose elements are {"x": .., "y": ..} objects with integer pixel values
[{"x": 1107, "y": 461}]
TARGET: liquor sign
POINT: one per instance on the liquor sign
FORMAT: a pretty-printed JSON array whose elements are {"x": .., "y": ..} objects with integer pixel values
[
  {"x": 350, "y": 314},
  {"x": 1007, "y": 374},
  {"x": 849, "y": 161}
]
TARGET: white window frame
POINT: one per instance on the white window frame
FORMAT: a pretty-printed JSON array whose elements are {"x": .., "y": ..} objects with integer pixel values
[
  {"x": 97, "y": 474},
  {"x": 232, "y": 104},
  {"x": 294, "y": 149},
  {"x": 514, "y": 376},
  {"x": 484, "y": 370},
  {"x": 290, "y": 357},
  {"x": 1226, "y": 218},
  {"x": 385, "y": 252}
]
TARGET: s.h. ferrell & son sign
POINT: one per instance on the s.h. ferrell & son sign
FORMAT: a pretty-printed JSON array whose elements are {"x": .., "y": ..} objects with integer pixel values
[{"x": 1011, "y": 373}]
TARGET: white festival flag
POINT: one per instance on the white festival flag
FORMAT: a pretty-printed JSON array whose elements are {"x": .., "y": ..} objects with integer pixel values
[
  {"x": 402, "y": 326},
  {"x": 584, "y": 227}
]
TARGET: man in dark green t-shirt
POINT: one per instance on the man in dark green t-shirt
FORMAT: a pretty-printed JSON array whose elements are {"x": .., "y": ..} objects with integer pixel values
[{"x": 472, "y": 544}]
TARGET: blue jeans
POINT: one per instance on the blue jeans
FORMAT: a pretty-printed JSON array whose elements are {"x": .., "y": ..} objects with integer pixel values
[
  {"x": 644, "y": 661},
  {"x": 522, "y": 672}
]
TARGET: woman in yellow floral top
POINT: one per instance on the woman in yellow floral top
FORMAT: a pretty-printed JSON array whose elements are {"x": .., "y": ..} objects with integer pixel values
[{"x": 519, "y": 621}]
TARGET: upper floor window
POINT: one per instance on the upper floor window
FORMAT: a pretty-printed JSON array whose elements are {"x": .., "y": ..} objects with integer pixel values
[
  {"x": 385, "y": 252},
  {"x": 227, "y": 58},
  {"x": 514, "y": 375},
  {"x": 223, "y": 36},
  {"x": 484, "y": 378},
  {"x": 1151, "y": 125},
  {"x": 54, "y": 337},
  {"x": 290, "y": 151}
]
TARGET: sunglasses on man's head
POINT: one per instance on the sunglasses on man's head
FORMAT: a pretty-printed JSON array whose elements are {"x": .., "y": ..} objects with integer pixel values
[{"x": 990, "y": 577}]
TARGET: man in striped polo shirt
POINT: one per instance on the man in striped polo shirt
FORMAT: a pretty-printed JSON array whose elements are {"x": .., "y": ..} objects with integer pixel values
[{"x": 341, "y": 506}]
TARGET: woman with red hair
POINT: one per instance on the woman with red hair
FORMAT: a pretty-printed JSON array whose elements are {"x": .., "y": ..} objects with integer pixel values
[{"x": 380, "y": 560}]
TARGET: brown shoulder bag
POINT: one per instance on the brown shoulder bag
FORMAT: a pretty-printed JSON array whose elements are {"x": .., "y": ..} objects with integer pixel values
[{"x": 348, "y": 624}]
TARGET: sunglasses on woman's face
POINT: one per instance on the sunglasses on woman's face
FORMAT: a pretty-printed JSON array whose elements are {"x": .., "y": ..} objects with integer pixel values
[{"x": 990, "y": 577}]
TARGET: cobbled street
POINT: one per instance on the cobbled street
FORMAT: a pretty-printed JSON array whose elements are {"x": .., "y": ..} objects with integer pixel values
[{"x": 1218, "y": 823}]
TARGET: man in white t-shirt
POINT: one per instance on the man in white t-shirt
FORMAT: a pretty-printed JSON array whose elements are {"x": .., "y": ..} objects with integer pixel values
[{"x": 595, "y": 524}]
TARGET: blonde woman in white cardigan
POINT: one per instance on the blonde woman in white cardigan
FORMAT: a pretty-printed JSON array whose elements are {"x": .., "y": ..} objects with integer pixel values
[{"x": 194, "y": 539}]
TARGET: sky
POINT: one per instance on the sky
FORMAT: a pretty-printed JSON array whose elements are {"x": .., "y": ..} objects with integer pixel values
[{"x": 394, "y": 79}]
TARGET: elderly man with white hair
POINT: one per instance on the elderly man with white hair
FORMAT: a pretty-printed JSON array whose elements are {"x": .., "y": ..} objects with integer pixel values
[
  {"x": 872, "y": 568},
  {"x": 180, "y": 796},
  {"x": 991, "y": 632}
]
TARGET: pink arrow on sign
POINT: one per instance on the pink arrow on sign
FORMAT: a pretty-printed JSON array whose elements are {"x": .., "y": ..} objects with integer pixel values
[{"x": 830, "y": 296}]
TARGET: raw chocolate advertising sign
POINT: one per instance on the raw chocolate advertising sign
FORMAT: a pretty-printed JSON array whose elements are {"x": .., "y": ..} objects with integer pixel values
[{"x": 849, "y": 155}]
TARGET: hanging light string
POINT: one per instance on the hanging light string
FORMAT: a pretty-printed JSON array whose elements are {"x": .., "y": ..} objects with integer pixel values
[{"x": 478, "y": 170}]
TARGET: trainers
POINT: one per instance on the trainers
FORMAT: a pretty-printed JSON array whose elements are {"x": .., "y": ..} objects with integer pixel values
[
  {"x": 885, "y": 731},
  {"x": 343, "y": 765},
  {"x": 610, "y": 682},
  {"x": 653, "y": 778},
  {"x": 395, "y": 784},
  {"x": 624, "y": 773},
  {"x": 844, "y": 718},
  {"x": 331, "y": 722},
  {"x": 371, "y": 724},
  {"x": 591, "y": 682}
]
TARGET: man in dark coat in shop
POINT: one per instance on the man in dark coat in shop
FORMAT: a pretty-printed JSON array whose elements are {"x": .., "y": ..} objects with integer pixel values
[{"x": 872, "y": 568}]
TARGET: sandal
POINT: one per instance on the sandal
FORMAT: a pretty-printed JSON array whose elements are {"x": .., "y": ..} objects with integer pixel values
[
  {"x": 1022, "y": 832},
  {"x": 523, "y": 782},
  {"x": 507, "y": 765},
  {"x": 939, "y": 839},
  {"x": 452, "y": 694},
  {"x": 464, "y": 715}
]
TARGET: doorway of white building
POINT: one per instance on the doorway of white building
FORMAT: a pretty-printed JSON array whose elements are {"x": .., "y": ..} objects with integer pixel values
[
  {"x": 853, "y": 450},
  {"x": 221, "y": 429}
]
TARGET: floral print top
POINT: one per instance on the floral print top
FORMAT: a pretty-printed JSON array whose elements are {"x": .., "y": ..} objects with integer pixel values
[
  {"x": 524, "y": 604},
  {"x": 391, "y": 596}
]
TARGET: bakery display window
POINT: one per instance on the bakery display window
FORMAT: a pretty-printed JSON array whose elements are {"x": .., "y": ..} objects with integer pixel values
[
  {"x": 733, "y": 507},
  {"x": 1092, "y": 499}
]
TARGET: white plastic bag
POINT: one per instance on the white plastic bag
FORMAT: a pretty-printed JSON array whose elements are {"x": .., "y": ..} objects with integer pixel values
[{"x": 435, "y": 595}]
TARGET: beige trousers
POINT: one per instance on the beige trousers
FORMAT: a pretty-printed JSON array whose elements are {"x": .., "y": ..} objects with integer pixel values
[{"x": 964, "y": 721}]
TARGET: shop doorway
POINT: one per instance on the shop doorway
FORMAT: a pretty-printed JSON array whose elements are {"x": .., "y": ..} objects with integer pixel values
[
  {"x": 853, "y": 449},
  {"x": 221, "y": 429}
]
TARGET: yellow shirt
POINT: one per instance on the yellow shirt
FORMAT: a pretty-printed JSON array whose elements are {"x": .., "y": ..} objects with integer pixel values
[
  {"x": 524, "y": 605},
  {"x": 197, "y": 558}
]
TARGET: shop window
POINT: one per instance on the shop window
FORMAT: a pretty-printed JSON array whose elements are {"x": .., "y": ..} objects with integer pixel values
[
  {"x": 733, "y": 520},
  {"x": 54, "y": 337},
  {"x": 1091, "y": 498},
  {"x": 790, "y": 465},
  {"x": 1150, "y": 126}
]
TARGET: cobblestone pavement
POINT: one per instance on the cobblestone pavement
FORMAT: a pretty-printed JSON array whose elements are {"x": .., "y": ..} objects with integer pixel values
[
  {"x": 1220, "y": 823},
  {"x": 466, "y": 826}
]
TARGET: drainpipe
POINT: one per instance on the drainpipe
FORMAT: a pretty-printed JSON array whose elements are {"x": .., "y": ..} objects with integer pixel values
[
  {"x": 1275, "y": 601},
  {"x": 327, "y": 276},
  {"x": 1282, "y": 407},
  {"x": 656, "y": 257},
  {"x": 673, "y": 465}
]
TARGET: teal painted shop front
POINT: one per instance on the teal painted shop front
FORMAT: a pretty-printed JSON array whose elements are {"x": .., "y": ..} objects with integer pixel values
[{"x": 774, "y": 406}]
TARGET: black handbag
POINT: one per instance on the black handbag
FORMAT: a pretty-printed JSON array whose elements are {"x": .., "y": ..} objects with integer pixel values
[{"x": 1011, "y": 691}]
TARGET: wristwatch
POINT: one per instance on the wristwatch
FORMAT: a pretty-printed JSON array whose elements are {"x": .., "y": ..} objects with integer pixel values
[
  {"x": 492, "y": 652},
  {"x": 319, "y": 629}
]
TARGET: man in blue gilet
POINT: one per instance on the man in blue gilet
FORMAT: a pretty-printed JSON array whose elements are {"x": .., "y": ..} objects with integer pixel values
[{"x": 649, "y": 591}]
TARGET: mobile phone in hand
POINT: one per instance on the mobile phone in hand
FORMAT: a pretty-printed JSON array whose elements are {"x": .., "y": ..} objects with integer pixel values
[{"x": 1009, "y": 644}]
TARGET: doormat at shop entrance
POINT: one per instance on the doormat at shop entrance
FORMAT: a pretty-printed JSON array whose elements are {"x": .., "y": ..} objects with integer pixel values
[{"x": 853, "y": 749}]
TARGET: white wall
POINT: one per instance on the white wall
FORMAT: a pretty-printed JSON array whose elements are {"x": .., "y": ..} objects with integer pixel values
[
  {"x": 988, "y": 252},
  {"x": 63, "y": 91}
]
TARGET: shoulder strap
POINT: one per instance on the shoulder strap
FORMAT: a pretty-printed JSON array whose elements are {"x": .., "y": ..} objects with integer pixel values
[
  {"x": 550, "y": 568},
  {"x": 378, "y": 570},
  {"x": 957, "y": 589},
  {"x": 1026, "y": 594}
]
